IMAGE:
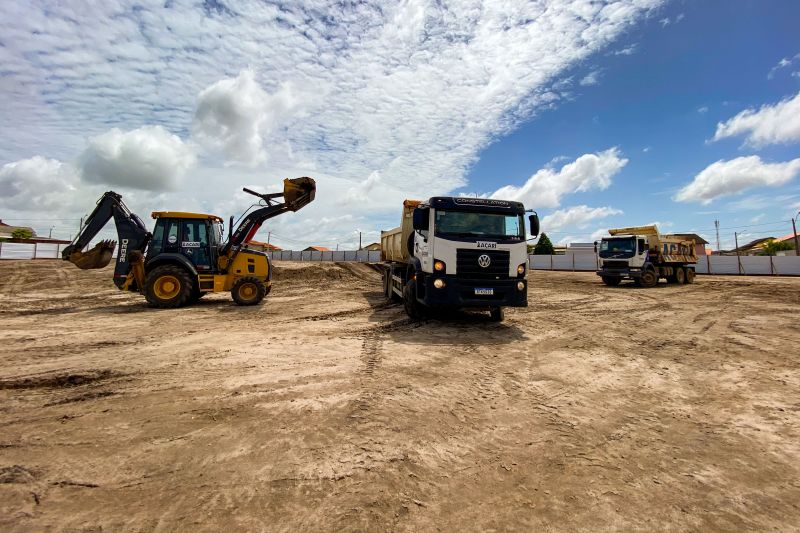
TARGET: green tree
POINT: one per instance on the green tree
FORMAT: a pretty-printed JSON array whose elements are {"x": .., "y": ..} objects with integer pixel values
[
  {"x": 21, "y": 233},
  {"x": 771, "y": 246},
  {"x": 543, "y": 246}
]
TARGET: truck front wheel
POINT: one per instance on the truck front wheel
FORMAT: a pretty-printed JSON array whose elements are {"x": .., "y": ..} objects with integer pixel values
[
  {"x": 611, "y": 281},
  {"x": 497, "y": 315},
  {"x": 649, "y": 279},
  {"x": 414, "y": 309}
]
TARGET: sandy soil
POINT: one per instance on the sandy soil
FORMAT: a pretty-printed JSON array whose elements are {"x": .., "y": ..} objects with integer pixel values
[{"x": 675, "y": 408}]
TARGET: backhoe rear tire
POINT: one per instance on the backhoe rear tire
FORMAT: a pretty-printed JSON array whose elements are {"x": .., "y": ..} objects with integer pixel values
[
  {"x": 248, "y": 291},
  {"x": 168, "y": 286},
  {"x": 690, "y": 275}
]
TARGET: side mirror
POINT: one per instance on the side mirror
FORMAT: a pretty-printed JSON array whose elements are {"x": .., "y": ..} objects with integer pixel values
[
  {"x": 421, "y": 216},
  {"x": 534, "y": 223},
  {"x": 595, "y": 246}
]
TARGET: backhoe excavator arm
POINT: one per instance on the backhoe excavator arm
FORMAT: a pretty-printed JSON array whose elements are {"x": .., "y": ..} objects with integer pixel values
[
  {"x": 131, "y": 231},
  {"x": 297, "y": 193}
]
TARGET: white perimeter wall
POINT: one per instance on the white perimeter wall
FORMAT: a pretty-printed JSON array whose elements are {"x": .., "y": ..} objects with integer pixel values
[{"x": 579, "y": 262}]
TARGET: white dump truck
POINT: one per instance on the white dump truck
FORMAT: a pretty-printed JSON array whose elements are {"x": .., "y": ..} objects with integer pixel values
[
  {"x": 644, "y": 255},
  {"x": 452, "y": 252}
]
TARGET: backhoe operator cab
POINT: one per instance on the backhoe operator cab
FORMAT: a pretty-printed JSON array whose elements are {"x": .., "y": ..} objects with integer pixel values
[{"x": 185, "y": 256}]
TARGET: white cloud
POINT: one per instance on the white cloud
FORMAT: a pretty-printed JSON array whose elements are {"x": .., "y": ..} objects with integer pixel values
[
  {"x": 413, "y": 90},
  {"x": 783, "y": 63},
  {"x": 702, "y": 109},
  {"x": 593, "y": 78},
  {"x": 234, "y": 115},
  {"x": 547, "y": 186},
  {"x": 148, "y": 158},
  {"x": 37, "y": 184},
  {"x": 579, "y": 216},
  {"x": 628, "y": 50},
  {"x": 730, "y": 177},
  {"x": 771, "y": 124}
]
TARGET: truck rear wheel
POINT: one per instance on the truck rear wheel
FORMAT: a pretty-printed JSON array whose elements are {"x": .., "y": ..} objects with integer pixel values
[
  {"x": 611, "y": 281},
  {"x": 497, "y": 315},
  {"x": 690, "y": 275},
  {"x": 248, "y": 290},
  {"x": 168, "y": 286},
  {"x": 680, "y": 276},
  {"x": 649, "y": 279},
  {"x": 414, "y": 309}
]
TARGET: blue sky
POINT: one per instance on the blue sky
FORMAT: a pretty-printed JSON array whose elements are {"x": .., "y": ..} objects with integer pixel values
[
  {"x": 660, "y": 105},
  {"x": 596, "y": 114}
]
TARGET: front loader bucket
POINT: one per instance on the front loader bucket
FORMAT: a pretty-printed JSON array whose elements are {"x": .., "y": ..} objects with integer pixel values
[
  {"x": 97, "y": 257},
  {"x": 298, "y": 192}
]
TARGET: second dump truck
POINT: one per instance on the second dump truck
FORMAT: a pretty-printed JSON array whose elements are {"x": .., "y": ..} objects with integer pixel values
[
  {"x": 453, "y": 252},
  {"x": 644, "y": 255}
]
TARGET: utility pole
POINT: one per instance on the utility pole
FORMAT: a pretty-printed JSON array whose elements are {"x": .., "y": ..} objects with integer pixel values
[
  {"x": 50, "y": 235},
  {"x": 738, "y": 258},
  {"x": 716, "y": 224},
  {"x": 359, "y": 240},
  {"x": 269, "y": 236},
  {"x": 794, "y": 230}
]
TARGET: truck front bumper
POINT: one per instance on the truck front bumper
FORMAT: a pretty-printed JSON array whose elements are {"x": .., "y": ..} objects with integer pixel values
[
  {"x": 620, "y": 273},
  {"x": 461, "y": 293}
]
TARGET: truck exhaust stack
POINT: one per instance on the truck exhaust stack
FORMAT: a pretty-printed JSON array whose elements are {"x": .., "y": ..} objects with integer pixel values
[{"x": 98, "y": 257}]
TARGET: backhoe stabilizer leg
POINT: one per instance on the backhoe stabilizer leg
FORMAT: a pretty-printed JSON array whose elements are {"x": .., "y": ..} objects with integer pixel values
[{"x": 98, "y": 257}]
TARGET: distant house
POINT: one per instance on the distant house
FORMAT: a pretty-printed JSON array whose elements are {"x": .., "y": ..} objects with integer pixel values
[
  {"x": 374, "y": 247},
  {"x": 317, "y": 249},
  {"x": 263, "y": 246},
  {"x": 6, "y": 231},
  {"x": 699, "y": 242},
  {"x": 755, "y": 247}
]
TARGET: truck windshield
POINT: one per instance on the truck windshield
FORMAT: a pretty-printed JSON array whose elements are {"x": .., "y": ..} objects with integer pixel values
[
  {"x": 610, "y": 248},
  {"x": 471, "y": 224}
]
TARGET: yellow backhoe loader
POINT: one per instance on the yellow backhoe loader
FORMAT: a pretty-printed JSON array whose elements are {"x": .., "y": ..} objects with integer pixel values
[{"x": 185, "y": 256}]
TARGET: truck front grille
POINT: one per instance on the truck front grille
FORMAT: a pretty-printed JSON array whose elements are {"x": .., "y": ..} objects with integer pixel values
[
  {"x": 615, "y": 264},
  {"x": 467, "y": 265}
]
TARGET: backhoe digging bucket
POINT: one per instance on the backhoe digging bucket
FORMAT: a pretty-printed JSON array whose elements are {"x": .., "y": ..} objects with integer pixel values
[
  {"x": 97, "y": 257},
  {"x": 298, "y": 192}
]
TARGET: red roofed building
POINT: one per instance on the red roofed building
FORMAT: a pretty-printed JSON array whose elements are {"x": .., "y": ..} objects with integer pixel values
[
  {"x": 317, "y": 249},
  {"x": 263, "y": 246}
]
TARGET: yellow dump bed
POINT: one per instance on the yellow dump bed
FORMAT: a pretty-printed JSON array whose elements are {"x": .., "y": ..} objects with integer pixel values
[
  {"x": 672, "y": 248},
  {"x": 393, "y": 241}
]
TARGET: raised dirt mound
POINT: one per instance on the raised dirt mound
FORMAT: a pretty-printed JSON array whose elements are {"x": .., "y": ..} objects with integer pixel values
[{"x": 304, "y": 272}]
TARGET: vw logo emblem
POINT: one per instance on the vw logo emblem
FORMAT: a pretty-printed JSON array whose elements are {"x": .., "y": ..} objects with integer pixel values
[{"x": 484, "y": 261}]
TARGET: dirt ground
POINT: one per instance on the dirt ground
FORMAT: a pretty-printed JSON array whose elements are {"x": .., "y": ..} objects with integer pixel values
[{"x": 325, "y": 408}]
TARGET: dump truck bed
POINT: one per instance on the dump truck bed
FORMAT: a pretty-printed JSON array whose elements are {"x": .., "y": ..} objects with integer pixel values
[{"x": 393, "y": 241}]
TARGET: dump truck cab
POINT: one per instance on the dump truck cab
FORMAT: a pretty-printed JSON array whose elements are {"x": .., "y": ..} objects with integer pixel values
[{"x": 455, "y": 252}]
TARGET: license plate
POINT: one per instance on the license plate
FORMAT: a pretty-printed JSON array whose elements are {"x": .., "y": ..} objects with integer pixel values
[{"x": 484, "y": 292}]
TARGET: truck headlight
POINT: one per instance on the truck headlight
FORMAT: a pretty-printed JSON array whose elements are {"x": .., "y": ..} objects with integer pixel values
[
  {"x": 520, "y": 285},
  {"x": 439, "y": 266},
  {"x": 521, "y": 269},
  {"x": 438, "y": 283}
]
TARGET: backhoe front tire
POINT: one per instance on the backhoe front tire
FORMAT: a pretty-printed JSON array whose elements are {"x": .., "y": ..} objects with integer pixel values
[
  {"x": 611, "y": 281},
  {"x": 248, "y": 291},
  {"x": 168, "y": 286}
]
